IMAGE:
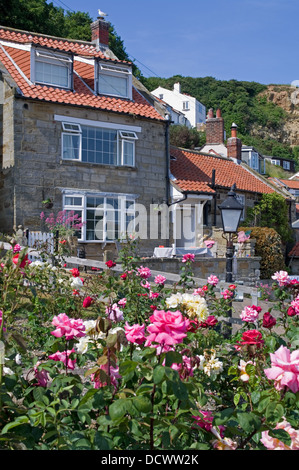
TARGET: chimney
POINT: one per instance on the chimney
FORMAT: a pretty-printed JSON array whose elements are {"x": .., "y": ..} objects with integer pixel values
[
  {"x": 177, "y": 87},
  {"x": 234, "y": 144},
  {"x": 100, "y": 32},
  {"x": 214, "y": 128}
]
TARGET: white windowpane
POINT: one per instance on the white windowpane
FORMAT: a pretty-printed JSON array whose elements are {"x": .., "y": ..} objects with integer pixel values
[
  {"x": 71, "y": 146},
  {"x": 51, "y": 73},
  {"x": 112, "y": 85},
  {"x": 128, "y": 152}
]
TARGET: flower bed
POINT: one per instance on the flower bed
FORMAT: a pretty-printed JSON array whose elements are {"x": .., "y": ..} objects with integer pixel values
[{"x": 111, "y": 361}]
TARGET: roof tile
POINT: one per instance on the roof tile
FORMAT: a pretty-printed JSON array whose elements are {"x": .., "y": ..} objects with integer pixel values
[
  {"x": 16, "y": 60},
  {"x": 193, "y": 173}
]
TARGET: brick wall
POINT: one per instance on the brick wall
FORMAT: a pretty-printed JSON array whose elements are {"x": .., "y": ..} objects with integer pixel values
[{"x": 214, "y": 128}]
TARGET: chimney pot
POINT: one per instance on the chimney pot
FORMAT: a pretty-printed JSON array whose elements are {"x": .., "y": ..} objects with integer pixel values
[
  {"x": 214, "y": 128},
  {"x": 234, "y": 128}
]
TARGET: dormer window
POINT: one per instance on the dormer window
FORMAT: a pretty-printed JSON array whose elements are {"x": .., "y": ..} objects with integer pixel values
[
  {"x": 114, "y": 80},
  {"x": 52, "y": 68}
]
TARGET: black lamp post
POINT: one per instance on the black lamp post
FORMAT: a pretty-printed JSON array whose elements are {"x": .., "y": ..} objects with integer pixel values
[{"x": 231, "y": 211}]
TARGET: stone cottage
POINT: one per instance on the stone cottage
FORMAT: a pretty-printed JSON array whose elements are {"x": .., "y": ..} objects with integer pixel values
[{"x": 78, "y": 129}]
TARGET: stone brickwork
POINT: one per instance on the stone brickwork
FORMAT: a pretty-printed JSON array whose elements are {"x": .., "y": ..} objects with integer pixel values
[
  {"x": 246, "y": 270},
  {"x": 39, "y": 172}
]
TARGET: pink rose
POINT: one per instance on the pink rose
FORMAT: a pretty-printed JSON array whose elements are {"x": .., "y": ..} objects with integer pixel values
[
  {"x": 284, "y": 369},
  {"x": 135, "y": 333},
  {"x": 281, "y": 277},
  {"x": 160, "y": 280},
  {"x": 166, "y": 328},
  {"x": 111, "y": 374},
  {"x": 272, "y": 443},
  {"x": 213, "y": 280},
  {"x": 114, "y": 313},
  {"x": 188, "y": 257},
  {"x": 145, "y": 273},
  {"x": 64, "y": 357},
  {"x": 122, "y": 302},
  {"x": 249, "y": 314},
  {"x": 68, "y": 327},
  {"x": 204, "y": 420},
  {"x": 295, "y": 305}
]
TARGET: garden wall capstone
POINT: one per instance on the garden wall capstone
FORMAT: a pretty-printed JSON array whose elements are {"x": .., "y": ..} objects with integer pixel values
[{"x": 245, "y": 270}]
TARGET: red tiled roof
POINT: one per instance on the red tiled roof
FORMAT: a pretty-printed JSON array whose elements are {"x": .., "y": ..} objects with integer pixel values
[
  {"x": 294, "y": 251},
  {"x": 293, "y": 184},
  {"x": 17, "y": 63},
  {"x": 193, "y": 173}
]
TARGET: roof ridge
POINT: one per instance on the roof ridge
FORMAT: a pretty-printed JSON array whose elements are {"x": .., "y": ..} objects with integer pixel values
[{"x": 31, "y": 33}]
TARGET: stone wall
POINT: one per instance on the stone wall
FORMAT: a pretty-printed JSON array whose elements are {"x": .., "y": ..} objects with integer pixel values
[
  {"x": 245, "y": 270},
  {"x": 40, "y": 173}
]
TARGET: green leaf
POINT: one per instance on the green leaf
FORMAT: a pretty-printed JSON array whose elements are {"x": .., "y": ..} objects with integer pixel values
[
  {"x": 249, "y": 421},
  {"x": 173, "y": 357},
  {"x": 118, "y": 409},
  {"x": 274, "y": 412},
  {"x": 159, "y": 374},
  {"x": 142, "y": 403},
  {"x": 281, "y": 435},
  {"x": 17, "y": 422}
]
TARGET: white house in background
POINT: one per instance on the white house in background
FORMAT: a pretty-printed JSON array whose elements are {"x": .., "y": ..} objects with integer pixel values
[{"x": 193, "y": 110}]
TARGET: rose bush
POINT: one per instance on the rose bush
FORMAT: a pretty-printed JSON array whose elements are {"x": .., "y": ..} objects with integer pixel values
[{"x": 112, "y": 361}]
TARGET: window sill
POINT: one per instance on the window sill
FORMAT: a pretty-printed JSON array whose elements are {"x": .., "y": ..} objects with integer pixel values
[{"x": 97, "y": 165}]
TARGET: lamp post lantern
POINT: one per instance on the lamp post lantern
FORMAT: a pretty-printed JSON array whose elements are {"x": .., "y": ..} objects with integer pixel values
[{"x": 231, "y": 210}]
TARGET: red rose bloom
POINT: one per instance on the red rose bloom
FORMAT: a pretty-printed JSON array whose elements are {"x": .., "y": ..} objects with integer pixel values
[
  {"x": 23, "y": 262},
  {"x": 87, "y": 302},
  {"x": 110, "y": 263},
  {"x": 75, "y": 272},
  {"x": 291, "y": 312},
  {"x": 251, "y": 338},
  {"x": 268, "y": 320}
]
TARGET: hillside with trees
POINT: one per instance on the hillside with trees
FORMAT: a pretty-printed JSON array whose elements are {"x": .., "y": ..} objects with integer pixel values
[{"x": 261, "y": 121}]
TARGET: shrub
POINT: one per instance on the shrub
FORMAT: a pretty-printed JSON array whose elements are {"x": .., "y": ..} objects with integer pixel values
[{"x": 269, "y": 247}]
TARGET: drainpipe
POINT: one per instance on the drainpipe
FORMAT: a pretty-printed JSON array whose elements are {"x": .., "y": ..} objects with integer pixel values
[
  {"x": 214, "y": 196},
  {"x": 168, "y": 122}
]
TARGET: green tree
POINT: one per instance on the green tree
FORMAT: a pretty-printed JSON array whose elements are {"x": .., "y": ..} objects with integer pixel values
[
  {"x": 271, "y": 212},
  {"x": 182, "y": 136}
]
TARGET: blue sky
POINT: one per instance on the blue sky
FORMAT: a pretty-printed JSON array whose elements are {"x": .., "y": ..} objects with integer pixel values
[{"x": 254, "y": 40}]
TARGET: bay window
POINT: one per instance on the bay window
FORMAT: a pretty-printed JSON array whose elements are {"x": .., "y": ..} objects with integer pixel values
[
  {"x": 90, "y": 144},
  {"x": 105, "y": 217}
]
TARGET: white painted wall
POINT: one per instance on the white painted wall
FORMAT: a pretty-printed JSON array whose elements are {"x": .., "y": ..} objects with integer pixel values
[{"x": 194, "y": 111}]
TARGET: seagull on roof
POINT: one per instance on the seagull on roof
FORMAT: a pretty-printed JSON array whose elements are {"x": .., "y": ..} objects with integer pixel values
[{"x": 101, "y": 13}]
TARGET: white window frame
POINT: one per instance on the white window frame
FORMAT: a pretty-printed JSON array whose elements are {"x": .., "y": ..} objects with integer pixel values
[
  {"x": 112, "y": 70},
  {"x": 186, "y": 106},
  {"x": 53, "y": 58},
  {"x": 123, "y": 211},
  {"x": 275, "y": 162},
  {"x": 123, "y": 136},
  {"x": 286, "y": 165}
]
